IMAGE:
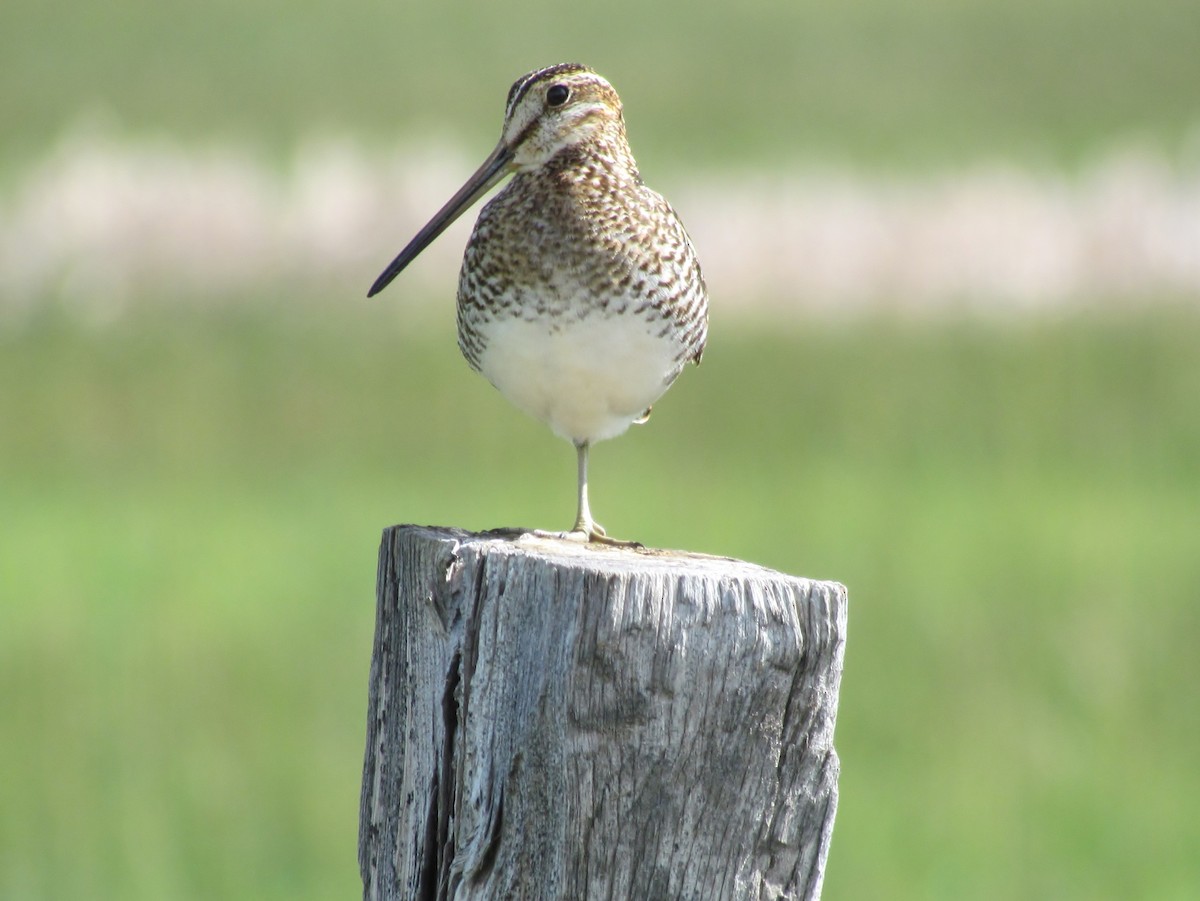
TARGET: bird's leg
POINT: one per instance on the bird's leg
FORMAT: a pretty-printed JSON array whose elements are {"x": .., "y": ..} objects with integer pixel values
[
  {"x": 586, "y": 528},
  {"x": 583, "y": 520},
  {"x": 584, "y": 524}
]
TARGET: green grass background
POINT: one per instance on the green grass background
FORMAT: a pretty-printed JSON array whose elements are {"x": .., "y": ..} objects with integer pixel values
[
  {"x": 191, "y": 500},
  {"x": 920, "y": 83}
]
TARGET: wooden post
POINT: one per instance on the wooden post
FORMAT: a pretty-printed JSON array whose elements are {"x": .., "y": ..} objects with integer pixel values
[{"x": 558, "y": 721}]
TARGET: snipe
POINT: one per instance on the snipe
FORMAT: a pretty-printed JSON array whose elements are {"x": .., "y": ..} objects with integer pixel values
[{"x": 580, "y": 297}]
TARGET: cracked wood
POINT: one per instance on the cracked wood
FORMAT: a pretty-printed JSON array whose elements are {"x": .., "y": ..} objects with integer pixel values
[{"x": 549, "y": 720}]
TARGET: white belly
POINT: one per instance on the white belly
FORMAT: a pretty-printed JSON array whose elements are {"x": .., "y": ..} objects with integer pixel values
[{"x": 588, "y": 380}]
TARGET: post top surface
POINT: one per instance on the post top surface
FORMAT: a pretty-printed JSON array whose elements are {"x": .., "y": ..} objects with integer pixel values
[{"x": 603, "y": 558}]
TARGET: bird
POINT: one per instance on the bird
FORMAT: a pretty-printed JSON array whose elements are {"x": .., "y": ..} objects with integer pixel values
[{"x": 580, "y": 297}]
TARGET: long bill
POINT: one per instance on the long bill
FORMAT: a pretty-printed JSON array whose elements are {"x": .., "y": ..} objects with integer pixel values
[{"x": 494, "y": 168}]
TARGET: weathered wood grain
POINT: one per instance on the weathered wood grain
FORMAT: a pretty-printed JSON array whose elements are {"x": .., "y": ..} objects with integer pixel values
[{"x": 557, "y": 721}]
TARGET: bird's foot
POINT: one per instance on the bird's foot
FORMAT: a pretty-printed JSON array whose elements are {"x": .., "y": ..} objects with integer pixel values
[
  {"x": 601, "y": 538},
  {"x": 587, "y": 533}
]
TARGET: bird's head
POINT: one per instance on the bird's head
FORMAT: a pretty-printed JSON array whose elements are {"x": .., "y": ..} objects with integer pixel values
[
  {"x": 555, "y": 108},
  {"x": 548, "y": 111}
]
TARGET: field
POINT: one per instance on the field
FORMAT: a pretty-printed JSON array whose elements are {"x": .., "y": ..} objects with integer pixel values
[
  {"x": 921, "y": 84},
  {"x": 191, "y": 498},
  {"x": 189, "y": 556}
]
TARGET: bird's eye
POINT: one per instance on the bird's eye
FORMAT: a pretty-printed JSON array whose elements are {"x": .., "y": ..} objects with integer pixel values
[{"x": 558, "y": 94}]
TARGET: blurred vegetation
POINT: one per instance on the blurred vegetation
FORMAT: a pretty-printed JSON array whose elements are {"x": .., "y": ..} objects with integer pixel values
[
  {"x": 920, "y": 83},
  {"x": 188, "y": 558},
  {"x": 190, "y": 501}
]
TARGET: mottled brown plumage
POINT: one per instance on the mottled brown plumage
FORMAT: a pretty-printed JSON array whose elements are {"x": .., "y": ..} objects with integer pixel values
[{"x": 580, "y": 297}]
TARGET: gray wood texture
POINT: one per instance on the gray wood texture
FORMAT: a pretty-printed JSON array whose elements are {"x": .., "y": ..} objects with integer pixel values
[{"x": 551, "y": 720}]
